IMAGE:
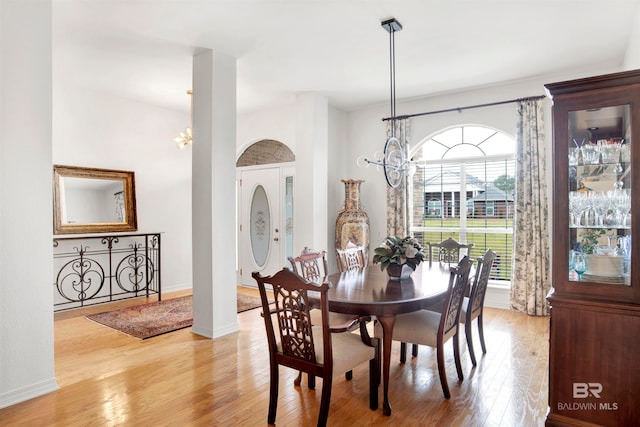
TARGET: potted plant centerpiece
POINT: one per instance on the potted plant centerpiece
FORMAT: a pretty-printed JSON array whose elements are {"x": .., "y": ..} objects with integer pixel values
[{"x": 399, "y": 256}]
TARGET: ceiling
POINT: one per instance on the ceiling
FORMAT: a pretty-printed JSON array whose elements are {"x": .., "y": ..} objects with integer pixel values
[{"x": 142, "y": 49}]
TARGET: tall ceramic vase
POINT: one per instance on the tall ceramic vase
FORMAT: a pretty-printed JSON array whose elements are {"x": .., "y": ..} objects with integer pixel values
[{"x": 352, "y": 223}]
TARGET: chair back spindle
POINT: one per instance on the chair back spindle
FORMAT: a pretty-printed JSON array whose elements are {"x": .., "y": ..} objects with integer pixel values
[
  {"x": 310, "y": 264},
  {"x": 448, "y": 250},
  {"x": 453, "y": 301},
  {"x": 351, "y": 258}
]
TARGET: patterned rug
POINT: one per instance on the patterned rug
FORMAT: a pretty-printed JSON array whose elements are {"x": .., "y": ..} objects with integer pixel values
[
  {"x": 248, "y": 302},
  {"x": 149, "y": 320},
  {"x": 157, "y": 318}
]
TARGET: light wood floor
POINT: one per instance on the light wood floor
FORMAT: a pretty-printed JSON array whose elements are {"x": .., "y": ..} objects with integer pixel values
[{"x": 180, "y": 379}]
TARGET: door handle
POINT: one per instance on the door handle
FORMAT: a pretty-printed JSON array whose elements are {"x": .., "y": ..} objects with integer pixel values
[{"x": 275, "y": 239}]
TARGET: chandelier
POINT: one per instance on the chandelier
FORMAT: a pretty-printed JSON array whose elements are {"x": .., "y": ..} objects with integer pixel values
[
  {"x": 184, "y": 138},
  {"x": 394, "y": 160}
]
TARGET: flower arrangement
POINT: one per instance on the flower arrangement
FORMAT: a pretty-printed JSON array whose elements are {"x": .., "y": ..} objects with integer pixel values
[{"x": 399, "y": 251}]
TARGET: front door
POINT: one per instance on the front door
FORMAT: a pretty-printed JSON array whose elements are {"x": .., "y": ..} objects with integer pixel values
[{"x": 261, "y": 231}]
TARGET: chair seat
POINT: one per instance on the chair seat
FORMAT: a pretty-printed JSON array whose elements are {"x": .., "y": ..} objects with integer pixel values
[
  {"x": 348, "y": 350},
  {"x": 419, "y": 327},
  {"x": 334, "y": 318}
]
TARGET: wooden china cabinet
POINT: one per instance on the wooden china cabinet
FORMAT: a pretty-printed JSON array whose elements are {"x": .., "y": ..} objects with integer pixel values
[{"x": 594, "y": 360}]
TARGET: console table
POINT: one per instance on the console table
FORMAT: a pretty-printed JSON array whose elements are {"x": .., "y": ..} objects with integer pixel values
[{"x": 94, "y": 269}]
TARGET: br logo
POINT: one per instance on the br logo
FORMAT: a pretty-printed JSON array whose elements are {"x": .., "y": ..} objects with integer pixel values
[{"x": 584, "y": 390}]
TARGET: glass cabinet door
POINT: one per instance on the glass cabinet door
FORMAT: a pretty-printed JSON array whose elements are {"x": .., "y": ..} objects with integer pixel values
[{"x": 600, "y": 183}]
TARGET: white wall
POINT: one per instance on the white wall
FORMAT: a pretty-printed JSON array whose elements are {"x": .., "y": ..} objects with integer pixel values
[
  {"x": 26, "y": 255},
  {"x": 276, "y": 123},
  {"x": 96, "y": 129},
  {"x": 632, "y": 58}
]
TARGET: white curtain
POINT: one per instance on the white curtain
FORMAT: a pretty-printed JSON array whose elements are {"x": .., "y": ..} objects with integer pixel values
[{"x": 531, "y": 282}]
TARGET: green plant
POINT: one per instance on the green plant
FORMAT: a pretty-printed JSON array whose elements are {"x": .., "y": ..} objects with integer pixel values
[
  {"x": 590, "y": 239},
  {"x": 397, "y": 250}
]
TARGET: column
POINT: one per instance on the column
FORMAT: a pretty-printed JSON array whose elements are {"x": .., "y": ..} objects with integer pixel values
[{"x": 213, "y": 193}]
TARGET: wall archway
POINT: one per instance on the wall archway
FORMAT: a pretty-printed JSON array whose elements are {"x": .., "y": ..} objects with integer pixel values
[{"x": 265, "y": 152}]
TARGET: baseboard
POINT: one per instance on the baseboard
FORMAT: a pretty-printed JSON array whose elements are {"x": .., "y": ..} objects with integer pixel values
[
  {"x": 229, "y": 329},
  {"x": 497, "y": 297},
  {"x": 217, "y": 333},
  {"x": 27, "y": 393},
  {"x": 203, "y": 332},
  {"x": 179, "y": 287}
]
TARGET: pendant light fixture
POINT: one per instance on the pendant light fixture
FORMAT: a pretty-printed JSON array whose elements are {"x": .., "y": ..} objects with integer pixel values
[
  {"x": 393, "y": 161},
  {"x": 184, "y": 138},
  {"x": 392, "y": 25}
]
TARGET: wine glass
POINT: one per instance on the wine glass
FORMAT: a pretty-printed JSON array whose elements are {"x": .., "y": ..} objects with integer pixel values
[
  {"x": 580, "y": 264},
  {"x": 624, "y": 205},
  {"x": 600, "y": 206},
  {"x": 577, "y": 206}
]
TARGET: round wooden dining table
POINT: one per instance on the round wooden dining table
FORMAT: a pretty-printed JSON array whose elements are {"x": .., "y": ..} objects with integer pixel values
[{"x": 369, "y": 292}]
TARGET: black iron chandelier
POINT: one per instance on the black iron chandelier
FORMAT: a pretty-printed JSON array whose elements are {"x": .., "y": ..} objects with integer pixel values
[{"x": 394, "y": 160}]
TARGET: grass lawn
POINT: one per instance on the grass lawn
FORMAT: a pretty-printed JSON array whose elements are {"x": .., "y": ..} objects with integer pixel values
[{"x": 500, "y": 243}]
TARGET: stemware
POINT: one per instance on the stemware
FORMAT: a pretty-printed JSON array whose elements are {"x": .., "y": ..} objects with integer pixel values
[
  {"x": 600, "y": 205},
  {"x": 580, "y": 264},
  {"x": 577, "y": 206},
  {"x": 624, "y": 205}
]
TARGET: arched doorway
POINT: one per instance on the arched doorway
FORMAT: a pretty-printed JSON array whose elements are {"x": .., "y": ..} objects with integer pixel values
[{"x": 265, "y": 172}]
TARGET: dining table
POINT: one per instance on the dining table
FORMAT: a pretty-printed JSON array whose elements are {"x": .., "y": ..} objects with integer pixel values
[{"x": 370, "y": 292}]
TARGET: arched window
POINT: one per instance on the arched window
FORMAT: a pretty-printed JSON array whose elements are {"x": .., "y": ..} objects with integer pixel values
[{"x": 464, "y": 188}]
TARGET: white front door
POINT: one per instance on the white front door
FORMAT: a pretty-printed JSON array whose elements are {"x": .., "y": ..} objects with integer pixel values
[{"x": 261, "y": 232}]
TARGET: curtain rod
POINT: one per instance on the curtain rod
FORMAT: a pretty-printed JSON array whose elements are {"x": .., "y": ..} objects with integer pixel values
[{"x": 459, "y": 109}]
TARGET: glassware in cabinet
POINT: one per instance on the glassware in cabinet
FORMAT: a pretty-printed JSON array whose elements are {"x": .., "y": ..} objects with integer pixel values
[{"x": 600, "y": 194}]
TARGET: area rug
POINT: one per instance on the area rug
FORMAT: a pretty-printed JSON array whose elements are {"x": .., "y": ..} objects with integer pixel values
[
  {"x": 157, "y": 318},
  {"x": 149, "y": 320},
  {"x": 248, "y": 302}
]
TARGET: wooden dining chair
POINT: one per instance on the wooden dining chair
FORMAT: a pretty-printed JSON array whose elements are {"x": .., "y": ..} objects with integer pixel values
[
  {"x": 472, "y": 307},
  {"x": 435, "y": 329},
  {"x": 351, "y": 258},
  {"x": 448, "y": 250},
  {"x": 310, "y": 264},
  {"x": 317, "y": 350}
]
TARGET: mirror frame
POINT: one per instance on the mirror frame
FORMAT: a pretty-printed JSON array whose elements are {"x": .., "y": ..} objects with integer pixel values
[{"x": 128, "y": 180}]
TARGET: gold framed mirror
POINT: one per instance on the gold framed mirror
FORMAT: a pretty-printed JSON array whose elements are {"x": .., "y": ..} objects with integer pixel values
[{"x": 92, "y": 200}]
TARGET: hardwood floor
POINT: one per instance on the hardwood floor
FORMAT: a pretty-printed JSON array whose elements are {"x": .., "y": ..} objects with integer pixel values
[{"x": 180, "y": 379}]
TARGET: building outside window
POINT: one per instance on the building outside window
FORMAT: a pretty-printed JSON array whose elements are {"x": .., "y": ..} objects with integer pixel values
[{"x": 464, "y": 188}]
